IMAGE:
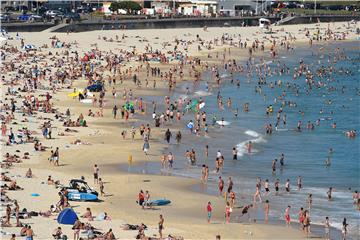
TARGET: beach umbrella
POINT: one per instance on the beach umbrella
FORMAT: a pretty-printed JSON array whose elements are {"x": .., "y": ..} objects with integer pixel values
[
  {"x": 190, "y": 125},
  {"x": 129, "y": 106},
  {"x": 75, "y": 94}
]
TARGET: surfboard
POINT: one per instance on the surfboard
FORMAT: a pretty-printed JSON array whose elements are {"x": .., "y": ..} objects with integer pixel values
[
  {"x": 86, "y": 100},
  {"x": 160, "y": 202},
  {"x": 223, "y": 123},
  {"x": 282, "y": 129}
]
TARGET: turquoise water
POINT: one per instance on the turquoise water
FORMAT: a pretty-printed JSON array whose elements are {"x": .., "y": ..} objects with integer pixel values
[{"x": 305, "y": 152}]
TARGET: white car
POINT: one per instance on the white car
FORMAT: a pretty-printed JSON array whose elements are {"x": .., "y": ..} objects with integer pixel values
[{"x": 53, "y": 13}]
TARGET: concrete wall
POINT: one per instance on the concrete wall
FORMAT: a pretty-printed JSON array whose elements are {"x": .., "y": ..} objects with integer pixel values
[
  {"x": 322, "y": 18},
  {"x": 165, "y": 23},
  {"x": 26, "y": 27},
  {"x": 162, "y": 23}
]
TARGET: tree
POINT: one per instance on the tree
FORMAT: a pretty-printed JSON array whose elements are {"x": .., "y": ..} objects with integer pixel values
[{"x": 126, "y": 5}]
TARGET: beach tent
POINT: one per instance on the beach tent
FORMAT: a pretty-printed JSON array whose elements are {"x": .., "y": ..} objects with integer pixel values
[
  {"x": 67, "y": 216},
  {"x": 29, "y": 47}
]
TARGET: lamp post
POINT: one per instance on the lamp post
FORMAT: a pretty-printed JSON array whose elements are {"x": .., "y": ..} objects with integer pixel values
[{"x": 256, "y": 7}]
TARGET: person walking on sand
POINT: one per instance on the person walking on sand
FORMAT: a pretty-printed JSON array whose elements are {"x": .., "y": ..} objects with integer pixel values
[
  {"x": 228, "y": 211},
  {"x": 96, "y": 174},
  {"x": 287, "y": 216},
  {"x": 101, "y": 185},
  {"x": 168, "y": 135},
  {"x": 257, "y": 194},
  {"x": 230, "y": 185},
  {"x": 3, "y": 129},
  {"x": 161, "y": 226},
  {"x": 17, "y": 213},
  {"x": 327, "y": 228},
  {"x": 56, "y": 157},
  {"x": 7, "y": 216},
  {"x": 209, "y": 211},
  {"x": 178, "y": 137},
  {"x": 266, "y": 210},
  {"x": 221, "y": 185},
  {"x": 307, "y": 223},
  {"x": 344, "y": 229},
  {"x": 114, "y": 111},
  {"x": 146, "y": 145},
  {"x": 170, "y": 158}
]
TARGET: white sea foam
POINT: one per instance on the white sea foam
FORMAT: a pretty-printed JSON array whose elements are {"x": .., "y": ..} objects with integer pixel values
[
  {"x": 223, "y": 123},
  {"x": 201, "y": 93},
  {"x": 224, "y": 75},
  {"x": 252, "y": 133},
  {"x": 183, "y": 96}
]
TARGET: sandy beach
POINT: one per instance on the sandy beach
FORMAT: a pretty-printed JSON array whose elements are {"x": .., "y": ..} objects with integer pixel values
[{"x": 101, "y": 142}]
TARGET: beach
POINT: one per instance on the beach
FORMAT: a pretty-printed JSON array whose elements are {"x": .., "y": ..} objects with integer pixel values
[{"x": 107, "y": 141}]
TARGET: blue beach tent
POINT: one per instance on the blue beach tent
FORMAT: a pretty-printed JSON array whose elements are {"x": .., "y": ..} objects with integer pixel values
[{"x": 67, "y": 216}]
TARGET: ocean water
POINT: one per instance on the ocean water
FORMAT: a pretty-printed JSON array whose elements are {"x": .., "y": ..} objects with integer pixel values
[{"x": 305, "y": 152}]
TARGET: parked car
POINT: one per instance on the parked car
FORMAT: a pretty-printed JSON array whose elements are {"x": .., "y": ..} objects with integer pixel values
[
  {"x": 36, "y": 18},
  {"x": 22, "y": 8},
  {"x": 24, "y": 17},
  {"x": 83, "y": 9},
  {"x": 54, "y": 13},
  {"x": 9, "y": 9},
  {"x": 70, "y": 16},
  {"x": 40, "y": 10},
  {"x": 4, "y": 17}
]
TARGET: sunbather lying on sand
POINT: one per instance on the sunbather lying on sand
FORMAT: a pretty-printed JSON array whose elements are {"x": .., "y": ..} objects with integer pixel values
[
  {"x": 79, "y": 142},
  {"x": 12, "y": 187},
  {"x": 5, "y": 178},
  {"x": 133, "y": 227}
]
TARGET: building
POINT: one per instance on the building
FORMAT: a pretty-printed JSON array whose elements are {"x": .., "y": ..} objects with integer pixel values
[
  {"x": 241, "y": 7},
  {"x": 32, "y": 5},
  {"x": 197, "y": 7}
]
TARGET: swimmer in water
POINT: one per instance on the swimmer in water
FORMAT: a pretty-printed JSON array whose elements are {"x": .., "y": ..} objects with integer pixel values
[
  {"x": 327, "y": 162},
  {"x": 287, "y": 186},
  {"x": 299, "y": 183},
  {"x": 277, "y": 184},
  {"x": 274, "y": 166},
  {"x": 329, "y": 193},
  {"x": 249, "y": 146},
  {"x": 236, "y": 112}
]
